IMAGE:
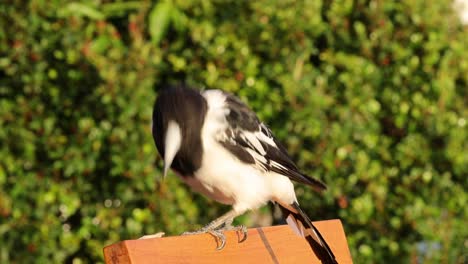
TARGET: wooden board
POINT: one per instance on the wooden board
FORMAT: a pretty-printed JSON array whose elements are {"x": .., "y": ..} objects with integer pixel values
[{"x": 275, "y": 244}]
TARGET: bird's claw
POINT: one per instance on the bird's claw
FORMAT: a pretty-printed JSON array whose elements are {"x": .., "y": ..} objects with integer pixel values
[
  {"x": 241, "y": 229},
  {"x": 220, "y": 237},
  {"x": 219, "y": 234}
]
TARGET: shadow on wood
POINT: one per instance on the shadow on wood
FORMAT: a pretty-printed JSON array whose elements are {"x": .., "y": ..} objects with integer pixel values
[{"x": 274, "y": 244}]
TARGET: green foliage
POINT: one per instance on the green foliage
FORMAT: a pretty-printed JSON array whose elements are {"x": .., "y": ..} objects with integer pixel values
[{"x": 368, "y": 95}]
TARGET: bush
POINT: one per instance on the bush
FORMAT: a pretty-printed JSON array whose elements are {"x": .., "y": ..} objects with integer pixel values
[{"x": 368, "y": 95}]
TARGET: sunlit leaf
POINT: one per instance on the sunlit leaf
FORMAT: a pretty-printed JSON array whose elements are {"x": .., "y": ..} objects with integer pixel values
[{"x": 159, "y": 20}]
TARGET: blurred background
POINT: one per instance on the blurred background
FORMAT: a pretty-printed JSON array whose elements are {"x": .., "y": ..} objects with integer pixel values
[{"x": 368, "y": 95}]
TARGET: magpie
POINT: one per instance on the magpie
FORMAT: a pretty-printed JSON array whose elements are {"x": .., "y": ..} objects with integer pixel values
[{"x": 220, "y": 148}]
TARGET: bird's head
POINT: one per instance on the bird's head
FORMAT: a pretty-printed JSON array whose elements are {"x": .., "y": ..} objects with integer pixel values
[{"x": 177, "y": 119}]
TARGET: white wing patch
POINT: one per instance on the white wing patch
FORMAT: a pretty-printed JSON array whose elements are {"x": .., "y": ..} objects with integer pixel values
[
  {"x": 264, "y": 134},
  {"x": 277, "y": 165},
  {"x": 260, "y": 160},
  {"x": 253, "y": 140}
]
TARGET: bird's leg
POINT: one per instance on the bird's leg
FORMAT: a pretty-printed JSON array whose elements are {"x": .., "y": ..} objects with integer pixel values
[{"x": 219, "y": 225}]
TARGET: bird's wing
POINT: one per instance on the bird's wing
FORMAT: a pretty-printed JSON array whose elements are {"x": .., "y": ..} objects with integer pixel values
[{"x": 251, "y": 141}]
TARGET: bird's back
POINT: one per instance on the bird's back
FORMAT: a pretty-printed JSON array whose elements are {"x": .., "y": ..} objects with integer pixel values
[{"x": 240, "y": 131}]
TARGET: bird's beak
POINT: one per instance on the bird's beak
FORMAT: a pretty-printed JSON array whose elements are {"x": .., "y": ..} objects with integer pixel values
[
  {"x": 167, "y": 165},
  {"x": 172, "y": 144}
]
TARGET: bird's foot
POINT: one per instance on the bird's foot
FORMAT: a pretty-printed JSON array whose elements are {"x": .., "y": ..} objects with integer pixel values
[{"x": 218, "y": 233}]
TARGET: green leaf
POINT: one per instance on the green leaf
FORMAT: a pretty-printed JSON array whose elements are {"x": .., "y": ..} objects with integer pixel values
[
  {"x": 80, "y": 9},
  {"x": 159, "y": 20},
  {"x": 120, "y": 8}
]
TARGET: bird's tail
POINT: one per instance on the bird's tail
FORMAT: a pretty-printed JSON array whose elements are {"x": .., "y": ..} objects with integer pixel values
[{"x": 301, "y": 224}]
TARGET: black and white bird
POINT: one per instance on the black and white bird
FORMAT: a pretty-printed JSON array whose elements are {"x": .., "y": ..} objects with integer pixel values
[{"x": 218, "y": 146}]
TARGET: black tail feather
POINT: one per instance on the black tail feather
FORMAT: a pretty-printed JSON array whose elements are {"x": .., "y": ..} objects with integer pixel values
[{"x": 312, "y": 235}]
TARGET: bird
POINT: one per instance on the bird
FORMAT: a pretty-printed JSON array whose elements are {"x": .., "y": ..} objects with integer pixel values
[{"x": 218, "y": 146}]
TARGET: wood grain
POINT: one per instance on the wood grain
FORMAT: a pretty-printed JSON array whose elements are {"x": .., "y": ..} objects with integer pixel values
[{"x": 275, "y": 244}]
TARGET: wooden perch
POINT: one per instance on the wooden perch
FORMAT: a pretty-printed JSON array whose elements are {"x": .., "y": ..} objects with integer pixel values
[{"x": 274, "y": 244}]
